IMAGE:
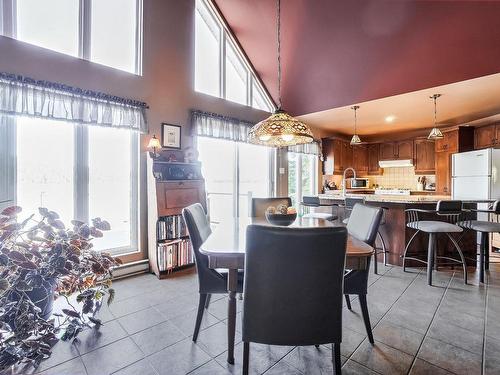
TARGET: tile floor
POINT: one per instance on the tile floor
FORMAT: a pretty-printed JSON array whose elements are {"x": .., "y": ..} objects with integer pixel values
[{"x": 450, "y": 328}]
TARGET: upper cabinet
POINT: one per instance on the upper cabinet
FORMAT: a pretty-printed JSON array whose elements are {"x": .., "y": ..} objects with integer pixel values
[
  {"x": 360, "y": 158},
  {"x": 424, "y": 156},
  {"x": 458, "y": 140},
  {"x": 486, "y": 136},
  {"x": 337, "y": 155},
  {"x": 373, "y": 158},
  {"x": 396, "y": 150}
]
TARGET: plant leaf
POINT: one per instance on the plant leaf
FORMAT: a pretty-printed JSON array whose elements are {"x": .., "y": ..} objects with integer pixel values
[
  {"x": 4, "y": 285},
  {"x": 11, "y": 211},
  {"x": 111, "y": 296},
  {"x": 71, "y": 313}
]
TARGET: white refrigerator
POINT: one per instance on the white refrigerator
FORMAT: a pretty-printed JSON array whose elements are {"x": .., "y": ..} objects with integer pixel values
[{"x": 476, "y": 175}]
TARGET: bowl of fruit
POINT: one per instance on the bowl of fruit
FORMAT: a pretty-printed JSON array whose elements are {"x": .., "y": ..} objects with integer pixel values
[{"x": 281, "y": 215}]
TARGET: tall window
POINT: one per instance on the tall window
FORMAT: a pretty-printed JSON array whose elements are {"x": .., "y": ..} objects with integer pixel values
[
  {"x": 302, "y": 176},
  {"x": 230, "y": 188},
  {"x": 220, "y": 67},
  {"x": 81, "y": 172},
  {"x": 106, "y": 32}
]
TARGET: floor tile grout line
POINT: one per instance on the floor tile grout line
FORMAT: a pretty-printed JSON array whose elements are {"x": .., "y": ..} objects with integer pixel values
[
  {"x": 430, "y": 324},
  {"x": 383, "y": 315}
]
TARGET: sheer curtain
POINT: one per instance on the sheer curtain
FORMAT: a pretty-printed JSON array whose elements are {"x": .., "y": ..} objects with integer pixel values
[
  {"x": 25, "y": 96},
  {"x": 206, "y": 124}
]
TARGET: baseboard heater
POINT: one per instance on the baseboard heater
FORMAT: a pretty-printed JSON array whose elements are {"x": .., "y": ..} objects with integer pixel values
[{"x": 129, "y": 269}]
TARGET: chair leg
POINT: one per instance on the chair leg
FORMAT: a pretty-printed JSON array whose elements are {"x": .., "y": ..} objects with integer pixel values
[
  {"x": 430, "y": 258},
  {"x": 366, "y": 316},
  {"x": 406, "y": 249},
  {"x": 199, "y": 316},
  {"x": 207, "y": 302},
  {"x": 464, "y": 263},
  {"x": 246, "y": 357},
  {"x": 348, "y": 301},
  {"x": 384, "y": 247},
  {"x": 482, "y": 250},
  {"x": 487, "y": 252},
  {"x": 336, "y": 358},
  {"x": 375, "y": 262}
]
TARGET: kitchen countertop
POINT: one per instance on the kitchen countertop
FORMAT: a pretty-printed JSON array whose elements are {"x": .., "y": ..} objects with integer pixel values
[{"x": 403, "y": 199}]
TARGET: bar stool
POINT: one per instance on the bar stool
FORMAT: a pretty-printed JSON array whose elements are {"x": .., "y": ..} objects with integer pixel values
[
  {"x": 349, "y": 205},
  {"x": 451, "y": 212},
  {"x": 315, "y": 202},
  {"x": 485, "y": 228}
]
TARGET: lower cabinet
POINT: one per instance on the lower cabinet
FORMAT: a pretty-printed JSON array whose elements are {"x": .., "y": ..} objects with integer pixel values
[{"x": 443, "y": 173}]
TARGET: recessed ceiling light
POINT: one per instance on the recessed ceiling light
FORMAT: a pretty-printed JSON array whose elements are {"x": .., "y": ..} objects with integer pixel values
[{"x": 390, "y": 118}]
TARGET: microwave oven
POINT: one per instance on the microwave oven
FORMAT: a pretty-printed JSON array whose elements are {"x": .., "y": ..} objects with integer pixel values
[{"x": 360, "y": 183}]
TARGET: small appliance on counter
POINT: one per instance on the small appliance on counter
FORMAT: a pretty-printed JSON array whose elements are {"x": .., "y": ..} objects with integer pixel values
[{"x": 360, "y": 183}]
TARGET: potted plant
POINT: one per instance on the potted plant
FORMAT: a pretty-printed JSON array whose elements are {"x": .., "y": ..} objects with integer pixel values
[{"x": 40, "y": 260}]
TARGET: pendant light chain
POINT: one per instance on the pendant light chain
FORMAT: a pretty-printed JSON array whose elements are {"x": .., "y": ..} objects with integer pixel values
[
  {"x": 278, "y": 33},
  {"x": 435, "y": 110}
]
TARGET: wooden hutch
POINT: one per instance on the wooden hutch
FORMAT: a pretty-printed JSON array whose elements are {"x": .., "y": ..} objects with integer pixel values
[{"x": 172, "y": 185}]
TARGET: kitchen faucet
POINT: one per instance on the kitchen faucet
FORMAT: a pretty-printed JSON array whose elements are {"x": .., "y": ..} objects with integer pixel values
[{"x": 343, "y": 178}]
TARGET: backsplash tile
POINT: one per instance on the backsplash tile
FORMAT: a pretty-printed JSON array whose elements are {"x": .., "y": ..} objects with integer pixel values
[{"x": 400, "y": 177}]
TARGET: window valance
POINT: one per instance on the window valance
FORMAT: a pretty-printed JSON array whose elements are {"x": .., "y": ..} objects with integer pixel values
[
  {"x": 312, "y": 148},
  {"x": 206, "y": 124},
  {"x": 21, "y": 95}
]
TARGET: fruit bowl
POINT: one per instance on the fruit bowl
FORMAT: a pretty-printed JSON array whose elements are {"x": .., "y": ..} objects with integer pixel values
[{"x": 281, "y": 219}]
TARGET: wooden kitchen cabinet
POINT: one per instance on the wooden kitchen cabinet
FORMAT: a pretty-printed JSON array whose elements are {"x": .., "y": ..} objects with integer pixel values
[
  {"x": 387, "y": 151},
  {"x": 360, "y": 159},
  {"x": 373, "y": 158},
  {"x": 396, "y": 150},
  {"x": 443, "y": 173},
  {"x": 460, "y": 139},
  {"x": 486, "y": 136},
  {"x": 404, "y": 149},
  {"x": 424, "y": 156},
  {"x": 333, "y": 154},
  {"x": 346, "y": 157}
]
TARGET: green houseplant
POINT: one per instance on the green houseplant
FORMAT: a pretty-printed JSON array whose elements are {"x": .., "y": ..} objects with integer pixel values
[{"x": 41, "y": 259}]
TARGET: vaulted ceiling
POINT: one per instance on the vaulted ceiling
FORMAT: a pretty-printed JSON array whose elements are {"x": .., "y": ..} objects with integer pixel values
[{"x": 339, "y": 52}]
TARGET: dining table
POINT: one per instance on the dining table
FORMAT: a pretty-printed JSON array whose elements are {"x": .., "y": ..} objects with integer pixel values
[{"x": 225, "y": 249}]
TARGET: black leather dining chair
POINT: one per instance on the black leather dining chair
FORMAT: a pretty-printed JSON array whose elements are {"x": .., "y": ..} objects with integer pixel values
[
  {"x": 363, "y": 225},
  {"x": 260, "y": 205},
  {"x": 210, "y": 281},
  {"x": 293, "y": 287},
  {"x": 313, "y": 202}
]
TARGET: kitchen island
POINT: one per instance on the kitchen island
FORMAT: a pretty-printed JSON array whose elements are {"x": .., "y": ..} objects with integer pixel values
[{"x": 395, "y": 232}]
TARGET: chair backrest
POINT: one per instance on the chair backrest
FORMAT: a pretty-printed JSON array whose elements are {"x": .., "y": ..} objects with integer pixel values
[
  {"x": 259, "y": 205},
  {"x": 293, "y": 285},
  {"x": 452, "y": 206},
  {"x": 364, "y": 222},
  {"x": 310, "y": 201},
  {"x": 350, "y": 202},
  {"x": 199, "y": 229}
]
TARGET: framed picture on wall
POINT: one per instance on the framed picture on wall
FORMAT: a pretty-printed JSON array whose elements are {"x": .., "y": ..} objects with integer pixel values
[{"x": 170, "y": 136}]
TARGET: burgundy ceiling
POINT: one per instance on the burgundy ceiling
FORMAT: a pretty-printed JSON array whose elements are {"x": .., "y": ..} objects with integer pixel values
[{"x": 340, "y": 52}]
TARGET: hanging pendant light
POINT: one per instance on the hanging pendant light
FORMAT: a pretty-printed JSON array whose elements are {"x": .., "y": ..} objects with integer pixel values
[
  {"x": 355, "y": 140},
  {"x": 435, "y": 132},
  {"x": 280, "y": 129}
]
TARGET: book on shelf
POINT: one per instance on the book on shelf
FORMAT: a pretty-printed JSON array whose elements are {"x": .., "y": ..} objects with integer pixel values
[
  {"x": 171, "y": 227},
  {"x": 173, "y": 255}
]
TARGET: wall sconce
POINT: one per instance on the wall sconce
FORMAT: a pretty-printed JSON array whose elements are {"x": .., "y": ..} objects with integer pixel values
[{"x": 154, "y": 143}]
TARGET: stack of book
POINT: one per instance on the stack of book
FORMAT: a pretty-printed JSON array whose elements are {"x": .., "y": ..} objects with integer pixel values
[
  {"x": 174, "y": 254},
  {"x": 171, "y": 227}
]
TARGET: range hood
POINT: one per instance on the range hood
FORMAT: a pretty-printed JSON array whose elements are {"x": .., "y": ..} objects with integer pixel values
[{"x": 395, "y": 163}]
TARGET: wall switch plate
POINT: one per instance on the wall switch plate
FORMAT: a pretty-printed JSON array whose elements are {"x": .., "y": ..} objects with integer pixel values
[{"x": 282, "y": 170}]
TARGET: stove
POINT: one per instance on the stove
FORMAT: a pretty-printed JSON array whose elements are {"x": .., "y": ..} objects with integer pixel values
[{"x": 392, "y": 191}]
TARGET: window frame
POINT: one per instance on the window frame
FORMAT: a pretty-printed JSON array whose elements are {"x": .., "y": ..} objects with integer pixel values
[
  {"x": 227, "y": 37},
  {"x": 298, "y": 174},
  {"x": 81, "y": 182},
  {"x": 8, "y": 28}
]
